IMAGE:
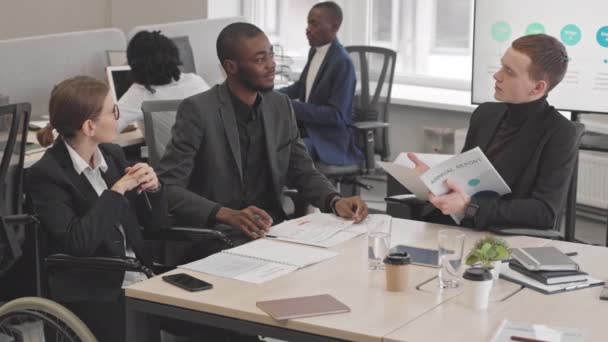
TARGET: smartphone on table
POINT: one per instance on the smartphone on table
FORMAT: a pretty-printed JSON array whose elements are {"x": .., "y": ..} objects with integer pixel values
[{"x": 187, "y": 282}]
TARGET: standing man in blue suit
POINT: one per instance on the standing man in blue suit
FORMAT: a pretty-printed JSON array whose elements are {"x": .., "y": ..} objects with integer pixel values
[{"x": 324, "y": 93}]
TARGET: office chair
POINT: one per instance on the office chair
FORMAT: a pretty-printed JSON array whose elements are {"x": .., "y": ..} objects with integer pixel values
[
  {"x": 22, "y": 318},
  {"x": 159, "y": 117},
  {"x": 375, "y": 69},
  {"x": 185, "y": 54},
  {"x": 413, "y": 207},
  {"x": 15, "y": 257}
]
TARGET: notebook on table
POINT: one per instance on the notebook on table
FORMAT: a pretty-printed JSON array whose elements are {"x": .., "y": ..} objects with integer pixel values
[
  {"x": 543, "y": 259},
  {"x": 509, "y": 274},
  {"x": 299, "y": 307},
  {"x": 549, "y": 277}
]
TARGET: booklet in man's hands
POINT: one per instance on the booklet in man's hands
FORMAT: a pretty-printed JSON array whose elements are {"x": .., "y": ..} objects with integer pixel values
[{"x": 471, "y": 170}]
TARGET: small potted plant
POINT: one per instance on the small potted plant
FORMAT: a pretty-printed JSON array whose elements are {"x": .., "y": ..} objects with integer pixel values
[{"x": 488, "y": 253}]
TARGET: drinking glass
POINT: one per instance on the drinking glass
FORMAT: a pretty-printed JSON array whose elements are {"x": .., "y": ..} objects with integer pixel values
[
  {"x": 451, "y": 246},
  {"x": 378, "y": 242}
]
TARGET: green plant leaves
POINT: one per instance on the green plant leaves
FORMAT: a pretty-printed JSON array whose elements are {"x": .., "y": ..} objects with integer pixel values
[{"x": 487, "y": 250}]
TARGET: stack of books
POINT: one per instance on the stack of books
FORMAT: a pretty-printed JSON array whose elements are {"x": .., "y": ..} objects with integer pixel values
[{"x": 547, "y": 265}]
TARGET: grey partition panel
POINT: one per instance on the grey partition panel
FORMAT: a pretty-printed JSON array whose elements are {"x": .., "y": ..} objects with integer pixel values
[
  {"x": 31, "y": 66},
  {"x": 202, "y": 35}
]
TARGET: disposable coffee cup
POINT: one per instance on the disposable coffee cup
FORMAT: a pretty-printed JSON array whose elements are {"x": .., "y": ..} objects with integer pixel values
[
  {"x": 477, "y": 287},
  {"x": 397, "y": 269}
]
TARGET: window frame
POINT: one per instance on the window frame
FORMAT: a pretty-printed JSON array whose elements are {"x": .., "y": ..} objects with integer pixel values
[{"x": 414, "y": 39}]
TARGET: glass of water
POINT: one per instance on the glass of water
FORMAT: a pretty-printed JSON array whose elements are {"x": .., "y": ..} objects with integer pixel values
[
  {"x": 378, "y": 241},
  {"x": 451, "y": 246}
]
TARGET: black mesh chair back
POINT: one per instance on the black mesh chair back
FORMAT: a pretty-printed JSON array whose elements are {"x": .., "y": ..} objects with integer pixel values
[
  {"x": 14, "y": 120},
  {"x": 375, "y": 70}
]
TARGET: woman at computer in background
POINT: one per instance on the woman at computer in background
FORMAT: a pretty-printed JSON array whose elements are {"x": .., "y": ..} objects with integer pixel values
[
  {"x": 154, "y": 61},
  {"x": 91, "y": 202}
]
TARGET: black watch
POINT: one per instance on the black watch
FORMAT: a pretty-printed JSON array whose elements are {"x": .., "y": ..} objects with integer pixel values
[{"x": 472, "y": 208}]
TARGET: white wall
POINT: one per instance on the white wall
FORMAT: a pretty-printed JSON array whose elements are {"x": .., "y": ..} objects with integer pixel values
[
  {"x": 23, "y": 18},
  {"x": 127, "y": 14}
]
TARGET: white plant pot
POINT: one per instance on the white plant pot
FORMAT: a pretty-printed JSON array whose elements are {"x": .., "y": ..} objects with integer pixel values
[
  {"x": 477, "y": 294},
  {"x": 497, "y": 266}
]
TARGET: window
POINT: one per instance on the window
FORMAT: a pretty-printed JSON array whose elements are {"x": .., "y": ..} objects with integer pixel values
[
  {"x": 452, "y": 29},
  {"x": 432, "y": 38}
]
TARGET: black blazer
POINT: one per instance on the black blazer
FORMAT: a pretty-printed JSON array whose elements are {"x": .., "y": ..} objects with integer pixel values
[
  {"x": 537, "y": 166},
  {"x": 80, "y": 223},
  {"x": 201, "y": 167}
]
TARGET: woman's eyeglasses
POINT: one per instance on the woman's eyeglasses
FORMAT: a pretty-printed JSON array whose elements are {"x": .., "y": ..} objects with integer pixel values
[{"x": 116, "y": 112}]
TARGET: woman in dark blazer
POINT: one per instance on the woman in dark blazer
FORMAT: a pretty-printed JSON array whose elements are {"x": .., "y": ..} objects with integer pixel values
[{"x": 92, "y": 202}]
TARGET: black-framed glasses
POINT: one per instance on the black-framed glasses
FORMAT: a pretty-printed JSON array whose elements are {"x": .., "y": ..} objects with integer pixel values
[{"x": 116, "y": 112}]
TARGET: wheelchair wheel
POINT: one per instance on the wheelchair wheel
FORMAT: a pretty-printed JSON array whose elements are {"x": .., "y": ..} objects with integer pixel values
[{"x": 41, "y": 320}]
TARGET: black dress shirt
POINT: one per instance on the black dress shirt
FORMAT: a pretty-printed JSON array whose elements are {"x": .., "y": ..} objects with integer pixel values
[{"x": 257, "y": 188}]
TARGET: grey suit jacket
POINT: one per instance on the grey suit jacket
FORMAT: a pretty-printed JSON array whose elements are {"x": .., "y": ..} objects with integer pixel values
[{"x": 202, "y": 163}]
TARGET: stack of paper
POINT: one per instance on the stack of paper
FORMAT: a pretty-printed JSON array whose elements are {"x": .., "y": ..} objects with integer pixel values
[
  {"x": 520, "y": 331},
  {"x": 323, "y": 230},
  {"x": 259, "y": 261}
]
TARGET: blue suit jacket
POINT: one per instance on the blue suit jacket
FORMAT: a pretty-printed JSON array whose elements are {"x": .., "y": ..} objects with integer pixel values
[{"x": 327, "y": 115}]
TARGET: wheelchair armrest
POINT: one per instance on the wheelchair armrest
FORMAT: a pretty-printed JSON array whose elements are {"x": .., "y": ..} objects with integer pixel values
[
  {"x": 20, "y": 219},
  {"x": 369, "y": 125},
  {"x": 177, "y": 233},
  {"x": 97, "y": 263}
]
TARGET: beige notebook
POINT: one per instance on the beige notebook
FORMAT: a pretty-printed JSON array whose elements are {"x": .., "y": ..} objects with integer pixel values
[{"x": 298, "y": 307}]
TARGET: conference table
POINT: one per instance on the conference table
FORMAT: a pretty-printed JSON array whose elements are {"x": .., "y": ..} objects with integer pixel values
[
  {"x": 421, "y": 313},
  {"x": 581, "y": 309}
]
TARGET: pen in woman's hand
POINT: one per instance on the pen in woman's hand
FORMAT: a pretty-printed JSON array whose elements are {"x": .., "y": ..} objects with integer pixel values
[{"x": 147, "y": 200}]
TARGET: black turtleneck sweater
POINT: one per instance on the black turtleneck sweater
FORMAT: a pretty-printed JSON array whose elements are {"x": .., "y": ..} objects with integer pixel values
[{"x": 510, "y": 125}]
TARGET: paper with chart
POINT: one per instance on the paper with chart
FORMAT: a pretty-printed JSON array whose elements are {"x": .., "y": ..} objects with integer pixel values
[
  {"x": 310, "y": 229},
  {"x": 259, "y": 261},
  {"x": 471, "y": 170},
  {"x": 322, "y": 230}
]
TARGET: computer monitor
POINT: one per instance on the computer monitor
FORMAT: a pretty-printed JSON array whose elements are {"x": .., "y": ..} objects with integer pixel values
[{"x": 119, "y": 80}]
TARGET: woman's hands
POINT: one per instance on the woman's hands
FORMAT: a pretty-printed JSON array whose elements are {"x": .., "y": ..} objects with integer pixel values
[{"x": 140, "y": 176}]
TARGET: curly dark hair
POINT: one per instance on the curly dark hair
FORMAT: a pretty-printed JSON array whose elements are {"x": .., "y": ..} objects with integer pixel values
[{"x": 153, "y": 58}]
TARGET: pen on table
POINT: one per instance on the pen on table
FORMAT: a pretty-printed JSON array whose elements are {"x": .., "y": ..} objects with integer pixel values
[
  {"x": 147, "y": 200},
  {"x": 525, "y": 339}
]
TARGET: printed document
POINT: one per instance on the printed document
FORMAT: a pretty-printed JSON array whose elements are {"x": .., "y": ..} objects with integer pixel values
[
  {"x": 471, "y": 170},
  {"x": 323, "y": 230},
  {"x": 535, "y": 332},
  {"x": 259, "y": 261}
]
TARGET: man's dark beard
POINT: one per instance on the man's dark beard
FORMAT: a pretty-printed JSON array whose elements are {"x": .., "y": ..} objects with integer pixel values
[{"x": 246, "y": 81}]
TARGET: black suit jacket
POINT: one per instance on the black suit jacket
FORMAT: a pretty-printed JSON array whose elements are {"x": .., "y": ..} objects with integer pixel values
[
  {"x": 537, "y": 166},
  {"x": 202, "y": 167},
  {"x": 80, "y": 223}
]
